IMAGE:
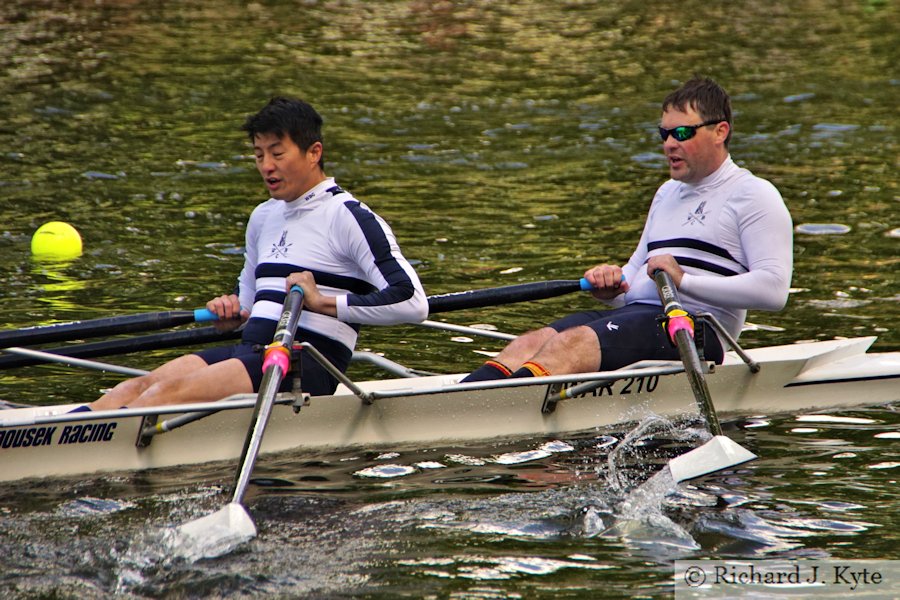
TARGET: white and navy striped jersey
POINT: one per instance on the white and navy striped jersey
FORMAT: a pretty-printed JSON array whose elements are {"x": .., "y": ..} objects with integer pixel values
[
  {"x": 731, "y": 233},
  {"x": 351, "y": 252}
]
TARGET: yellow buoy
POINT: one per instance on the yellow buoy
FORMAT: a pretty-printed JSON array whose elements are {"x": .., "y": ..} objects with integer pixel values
[{"x": 56, "y": 239}]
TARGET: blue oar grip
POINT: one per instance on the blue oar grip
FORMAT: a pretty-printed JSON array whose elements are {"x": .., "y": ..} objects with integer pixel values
[
  {"x": 202, "y": 315},
  {"x": 586, "y": 285}
]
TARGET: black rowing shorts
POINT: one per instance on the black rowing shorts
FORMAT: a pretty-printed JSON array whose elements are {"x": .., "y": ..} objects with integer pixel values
[
  {"x": 634, "y": 333},
  {"x": 314, "y": 379}
]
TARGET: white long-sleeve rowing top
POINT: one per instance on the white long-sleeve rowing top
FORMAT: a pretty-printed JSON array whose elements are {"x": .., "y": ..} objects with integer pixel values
[
  {"x": 351, "y": 252},
  {"x": 733, "y": 236}
]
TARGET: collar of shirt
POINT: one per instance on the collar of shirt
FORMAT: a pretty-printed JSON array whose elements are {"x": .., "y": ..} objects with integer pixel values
[
  {"x": 310, "y": 200},
  {"x": 712, "y": 181}
]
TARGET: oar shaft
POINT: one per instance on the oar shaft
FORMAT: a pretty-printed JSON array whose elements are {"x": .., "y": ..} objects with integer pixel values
[
  {"x": 274, "y": 368},
  {"x": 694, "y": 371},
  {"x": 680, "y": 327},
  {"x": 261, "y": 414},
  {"x": 148, "y": 321},
  {"x": 504, "y": 295},
  {"x": 60, "y": 332}
]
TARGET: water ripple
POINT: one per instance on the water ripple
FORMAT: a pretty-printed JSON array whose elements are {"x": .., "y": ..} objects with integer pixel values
[{"x": 822, "y": 229}]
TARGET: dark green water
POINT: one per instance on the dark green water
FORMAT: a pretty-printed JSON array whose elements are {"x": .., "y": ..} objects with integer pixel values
[{"x": 505, "y": 142}]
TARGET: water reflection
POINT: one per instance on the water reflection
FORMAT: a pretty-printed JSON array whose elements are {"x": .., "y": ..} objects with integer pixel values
[{"x": 56, "y": 281}]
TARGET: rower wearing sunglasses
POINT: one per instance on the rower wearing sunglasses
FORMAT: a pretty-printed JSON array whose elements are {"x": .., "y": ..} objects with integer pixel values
[{"x": 723, "y": 235}]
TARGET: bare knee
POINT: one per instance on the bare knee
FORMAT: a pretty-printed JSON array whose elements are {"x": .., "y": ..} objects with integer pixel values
[
  {"x": 211, "y": 383},
  {"x": 533, "y": 340},
  {"x": 575, "y": 350},
  {"x": 525, "y": 347},
  {"x": 133, "y": 387},
  {"x": 123, "y": 393},
  {"x": 160, "y": 392}
]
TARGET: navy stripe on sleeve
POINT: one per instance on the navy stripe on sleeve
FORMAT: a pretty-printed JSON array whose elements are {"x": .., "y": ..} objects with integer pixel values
[{"x": 400, "y": 286}]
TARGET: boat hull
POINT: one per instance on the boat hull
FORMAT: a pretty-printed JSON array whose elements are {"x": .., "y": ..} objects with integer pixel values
[{"x": 435, "y": 410}]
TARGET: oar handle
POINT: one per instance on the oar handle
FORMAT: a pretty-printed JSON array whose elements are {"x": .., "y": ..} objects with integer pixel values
[
  {"x": 586, "y": 285},
  {"x": 287, "y": 324},
  {"x": 204, "y": 315},
  {"x": 678, "y": 317},
  {"x": 279, "y": 351}
]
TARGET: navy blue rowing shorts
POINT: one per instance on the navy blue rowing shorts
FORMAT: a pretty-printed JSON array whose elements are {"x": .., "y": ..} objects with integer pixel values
[
  {"x": 314, "y": 379},
  {"x": 633, "y": 333}
]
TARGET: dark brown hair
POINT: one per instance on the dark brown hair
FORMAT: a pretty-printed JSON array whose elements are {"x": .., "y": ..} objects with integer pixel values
[{"x": 705, "y": 97}]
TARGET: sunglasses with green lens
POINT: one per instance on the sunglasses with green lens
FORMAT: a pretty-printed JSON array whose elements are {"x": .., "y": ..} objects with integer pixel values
[{"x": 683, "y": 133}]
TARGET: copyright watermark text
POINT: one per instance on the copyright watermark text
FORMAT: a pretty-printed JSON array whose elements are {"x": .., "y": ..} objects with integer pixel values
[{"x": 786, "y": 578}]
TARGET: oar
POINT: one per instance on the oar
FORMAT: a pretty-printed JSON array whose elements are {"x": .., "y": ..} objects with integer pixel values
[
  {"x": 680, "y": 327},
  {"x": 522, "y": 292},
  {"x": 61, "y": 332},
  {"x": 525, "y": 292},
  {"x": 219, "y": 532},
  {"x": 720, "y": 452}
]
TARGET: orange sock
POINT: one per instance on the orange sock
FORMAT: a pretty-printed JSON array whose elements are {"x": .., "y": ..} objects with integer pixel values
[
  {"x": 499, "y": 366},
  {"x": 490, "y": 370},
  {"x": 536, "y": 369}
]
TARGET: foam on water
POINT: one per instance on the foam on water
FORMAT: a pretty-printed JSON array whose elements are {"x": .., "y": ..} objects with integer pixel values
[
  {"x": 89, "y": 507},
  {"x": 623, "y": 504}
]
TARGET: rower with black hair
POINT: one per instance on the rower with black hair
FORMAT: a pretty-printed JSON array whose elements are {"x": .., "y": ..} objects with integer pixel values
[{"x": 310, "y": 233}]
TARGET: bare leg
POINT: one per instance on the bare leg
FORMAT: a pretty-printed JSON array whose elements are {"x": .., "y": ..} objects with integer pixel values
[
  {"x": 127, "y": 391},
  {"x": 185, "y": 379},
  {"x": 575, "y": 350},
  {"x": 208, "y": 384},
  {"x": 524, "y": 347}
]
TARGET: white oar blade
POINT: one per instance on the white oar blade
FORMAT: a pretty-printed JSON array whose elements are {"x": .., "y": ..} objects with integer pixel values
[
  {"x": 718, "y": 453},
  {"x": 213, "y": 535}
]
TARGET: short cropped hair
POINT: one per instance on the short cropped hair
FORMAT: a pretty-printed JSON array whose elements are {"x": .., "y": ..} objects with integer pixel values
[
  {"x": 288, "y": 116},
  {"x": 705, "y": 97}
]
